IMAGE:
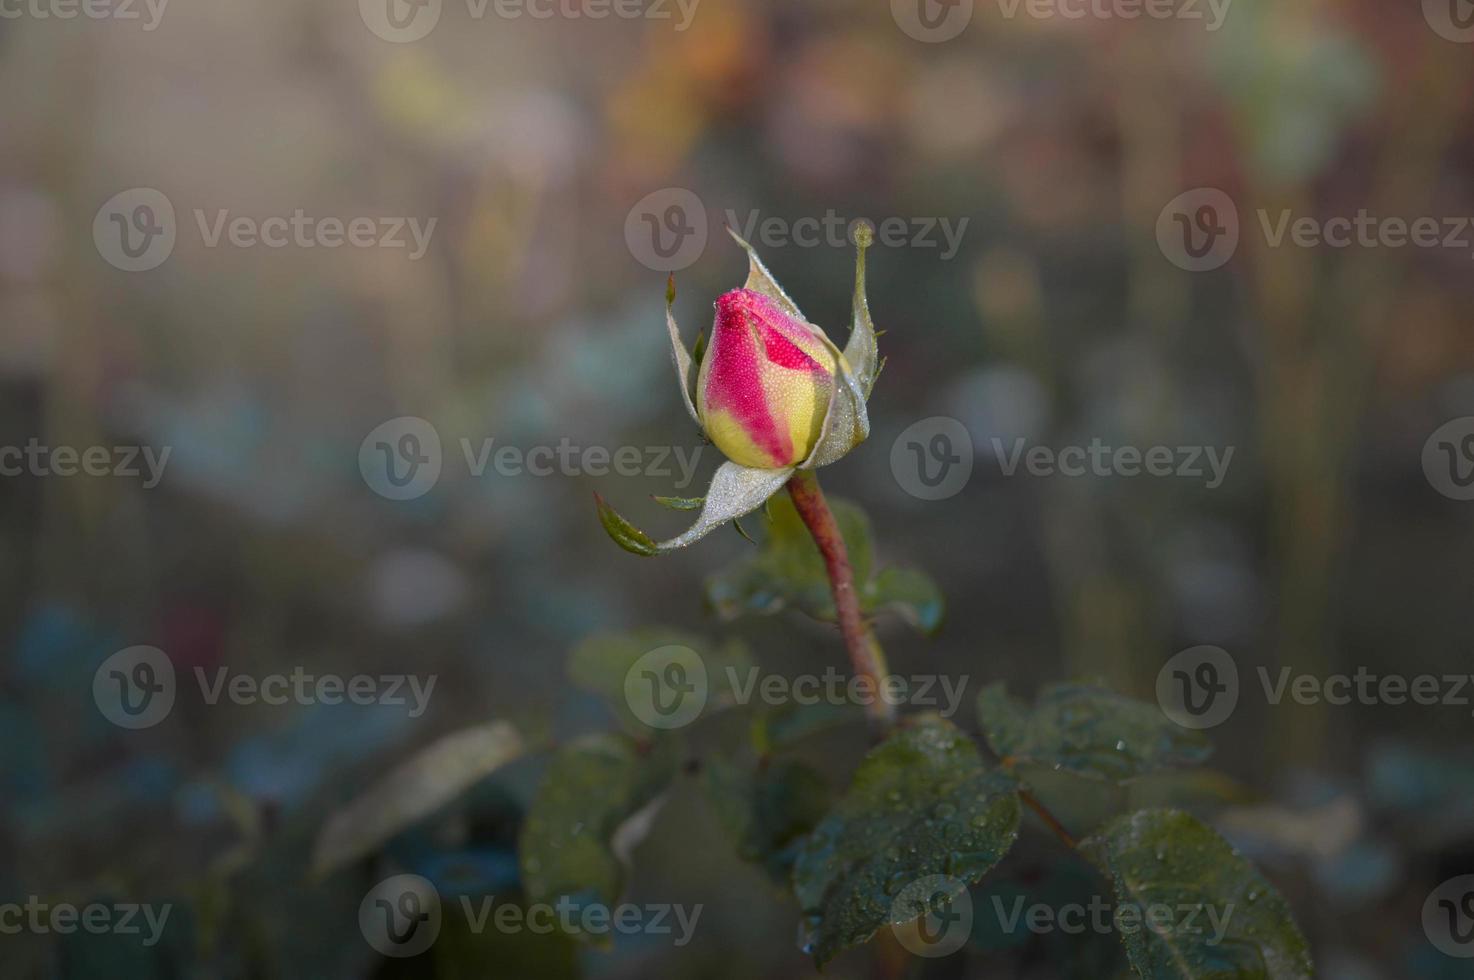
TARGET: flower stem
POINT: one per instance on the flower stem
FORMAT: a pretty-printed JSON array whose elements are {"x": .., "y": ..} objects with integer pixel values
[
  {"x": 866, "y": 657},
  {"x": 1040, "y": 810},
  {"x": 1049, "y": 820}
]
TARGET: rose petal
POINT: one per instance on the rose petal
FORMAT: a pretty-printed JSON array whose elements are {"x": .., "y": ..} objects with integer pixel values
[{"x": 764, "y": 387}]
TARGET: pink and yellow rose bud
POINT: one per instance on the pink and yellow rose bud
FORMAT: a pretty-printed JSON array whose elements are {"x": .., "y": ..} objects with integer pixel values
[{"x": 765, "y": 382}]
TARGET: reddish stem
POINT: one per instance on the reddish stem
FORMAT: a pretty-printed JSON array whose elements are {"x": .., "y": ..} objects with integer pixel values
[
  {"x": 1049, "y": 819},
  {"x": 866, "y": 657}
]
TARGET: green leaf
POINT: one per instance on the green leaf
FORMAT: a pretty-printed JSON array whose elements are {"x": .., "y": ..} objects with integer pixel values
[
  {"x": 1162, "y": 861},
  {"x": 1087, "y": 730},
  {"x": 920, "y": 804},
  {"x": 602, "y": 664},
  {"x": 413, "y": 790},
  {"x": 788, "y": 572},
  {"x": 625, "y": 534},
  {"x": 593, "y": 805},
  {"x": 699, "y": 351},
  {"x": 767, "y": 809}
]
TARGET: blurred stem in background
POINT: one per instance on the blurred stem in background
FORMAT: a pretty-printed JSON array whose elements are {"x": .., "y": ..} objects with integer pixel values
[
  {"x": 1314, "y": 370},
  {"x": 1113, "y": 607}
]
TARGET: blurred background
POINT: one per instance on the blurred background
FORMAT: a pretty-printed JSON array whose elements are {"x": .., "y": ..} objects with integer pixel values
[{"x": 242, "y": 244}]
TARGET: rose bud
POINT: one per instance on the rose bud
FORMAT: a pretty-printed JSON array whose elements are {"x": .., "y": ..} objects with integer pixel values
[
  {"x": 764, "y": 384},
  {"x": 772, "y": 392}
]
